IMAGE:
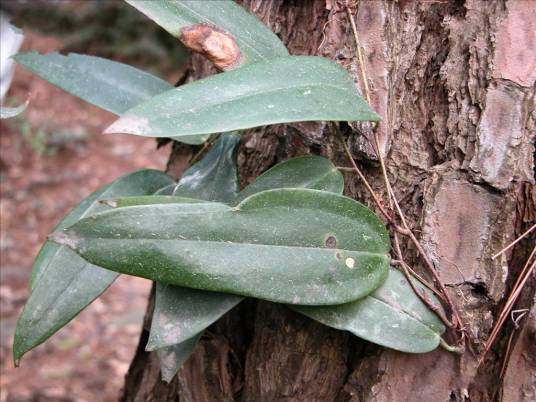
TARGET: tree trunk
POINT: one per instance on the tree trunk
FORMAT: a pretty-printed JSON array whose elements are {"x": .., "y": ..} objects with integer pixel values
[{"x": 454, "y": 83}]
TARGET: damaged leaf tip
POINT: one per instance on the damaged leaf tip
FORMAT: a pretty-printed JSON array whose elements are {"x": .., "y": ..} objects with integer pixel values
[{"x": 215, "y": 44}]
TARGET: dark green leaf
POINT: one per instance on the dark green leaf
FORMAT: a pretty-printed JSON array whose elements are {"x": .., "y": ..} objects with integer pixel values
[
  {"x": 215, "y": 177},
  {"x": 302, "y": 172},
  {"x": 392, "y": 316},
  {"x": 255, "y": 40},
  {"x": 288, "y": 245},
  {"x": 288, "y": 89},
  {"x": 64, "y": 283},
  {"x": 112, "y": 86},
  {"x": 312, "y": 172},
  {"x": 181, "y": 313}
]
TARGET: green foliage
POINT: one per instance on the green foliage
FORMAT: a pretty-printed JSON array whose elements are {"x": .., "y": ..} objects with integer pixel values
[
  {"x": 107, "y": 84},
  {"x": 289, "y": 237},
  {"x": 62, "y": 283},
  {"x": 287, "y": 89},
  {"x": 254, "y": 39}
]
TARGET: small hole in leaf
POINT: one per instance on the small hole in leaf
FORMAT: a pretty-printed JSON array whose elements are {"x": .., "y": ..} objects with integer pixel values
[{"x": 331, "y": 242}]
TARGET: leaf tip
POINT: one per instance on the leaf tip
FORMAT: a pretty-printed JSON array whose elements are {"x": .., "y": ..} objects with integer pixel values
[
  {"x": 129, "y": 125},
  {"x": 64, "y": 239},
  {"x": 110, "y": 203}
]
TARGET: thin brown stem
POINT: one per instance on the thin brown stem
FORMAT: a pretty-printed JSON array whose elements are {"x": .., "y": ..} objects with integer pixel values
[
  {"x": 362, "y": 176},
  {"x": 514, "y": 242},
  {"x": 512, "y": 298}
]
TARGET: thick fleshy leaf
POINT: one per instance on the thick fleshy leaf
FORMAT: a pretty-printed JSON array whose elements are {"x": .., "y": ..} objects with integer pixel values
[
  {"x": 255, "y": 40},
  {"x": 287, "y": 89},
  {"x": 9, "y": 112},
  {"x": 311, "y": 171},
  {"x": 63, "y": 283},
  {"x": 289, "y": 245},
  {"x": 173, "y": 357},
  {"x": 215, "y": 177},
  {"x": 301, "y": 172},
  {"x": 196, "y": 309},
  {"x": 181, "y": 312},
  {"x": 112, "y": 86},
  {"x": 392, "y": 316}
]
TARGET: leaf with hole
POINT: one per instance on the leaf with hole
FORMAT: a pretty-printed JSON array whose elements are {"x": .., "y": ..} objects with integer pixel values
[
  {"x": 392, "y": 316},
  {"x": 112, "y": 86},
  {"x": 287, "y": 89},
  {"x": 289, "y": 245},
  {"x": 180, "y": 312},
  {"x": 254, "y": 39},
  {"x": 63, "y": 284}
]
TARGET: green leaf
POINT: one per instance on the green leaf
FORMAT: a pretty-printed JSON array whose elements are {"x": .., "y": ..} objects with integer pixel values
[
  {"x": 181, "y": 313},
  {"x": 255, "y": 40},
  {"x": 288, "y": 245},
  {"x": 63, "y": 283},
  {"x": 312, "y": 172},
  {"x": 215, "y": 177},
  {"x": 9, "y": 112},
  {"x": 150, "y": 200},
  {"x": 392, "y": 316},
  {"x": 112, "y": 86},
  {"x": 190, "y": 307},
  {"x": 179, "y": 310},
  {"x": 288, "y": 89},
  {"x": 173, "y": 357}
]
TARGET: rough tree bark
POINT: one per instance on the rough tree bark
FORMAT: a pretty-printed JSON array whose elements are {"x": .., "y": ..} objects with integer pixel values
[{"x": 454, "y": 83}]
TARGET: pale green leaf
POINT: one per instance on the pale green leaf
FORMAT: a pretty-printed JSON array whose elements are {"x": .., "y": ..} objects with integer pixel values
[
  {"x": 112, "y": 86},
  {"x": 289, "y": 245},
  {"x": 287, "y": 89},
  {"x": 63, "y": 284},
  {"x": 392, "y": 316}
]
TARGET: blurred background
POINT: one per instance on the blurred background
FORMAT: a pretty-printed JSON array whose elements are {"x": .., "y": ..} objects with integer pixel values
[{"x": 51, "y": 157}]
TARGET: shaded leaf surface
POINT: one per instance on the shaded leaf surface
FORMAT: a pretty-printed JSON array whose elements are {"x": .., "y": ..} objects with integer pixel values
[
  {"x": 287, "y": 89},
  {"x": 215, "y": 177},
  {"x": 271, "y": 246},
  {"x": 112, "y": 86},
  {"x": 392, "y": 316},
  {"x": 254, "y": 39},
  {"x": 63, "y": 283}
]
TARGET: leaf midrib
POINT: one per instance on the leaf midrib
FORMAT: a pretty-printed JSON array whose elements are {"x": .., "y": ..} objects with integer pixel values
[
  {"x": 250, "y": 95},
  {"x": 230, "y": 243},
  {"x": 404, "y": 312}
]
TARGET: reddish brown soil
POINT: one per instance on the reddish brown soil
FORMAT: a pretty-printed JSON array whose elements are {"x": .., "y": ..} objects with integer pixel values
[{"x": 87, "y": 360}]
